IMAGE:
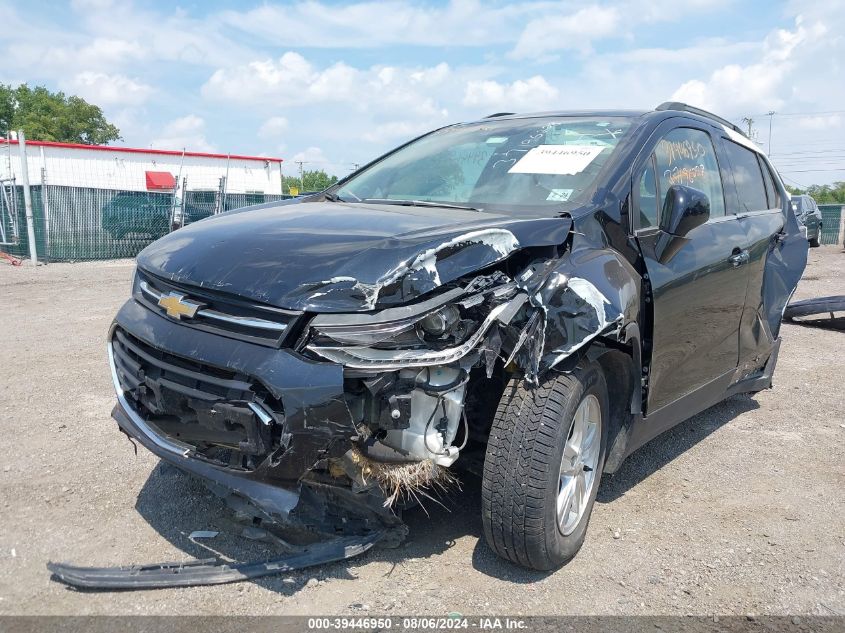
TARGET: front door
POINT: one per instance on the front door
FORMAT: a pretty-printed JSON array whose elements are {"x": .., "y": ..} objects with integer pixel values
[{"x": 698, "y": 287}]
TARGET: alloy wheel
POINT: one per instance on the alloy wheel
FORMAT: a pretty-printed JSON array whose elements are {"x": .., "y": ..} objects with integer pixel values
[{"x": 579, "y": 464}]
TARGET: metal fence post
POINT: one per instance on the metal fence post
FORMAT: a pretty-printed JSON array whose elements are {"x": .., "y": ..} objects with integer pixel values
[
  {"x": 840, "y": 237},
  {"x": 45, "y": 204},
  {"x": 27, "y": 200},
  {"x": 184, "y": 199},
  {"x": 220, "y": 202}
]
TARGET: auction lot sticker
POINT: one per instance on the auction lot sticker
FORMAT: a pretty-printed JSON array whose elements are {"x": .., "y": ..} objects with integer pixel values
[{"x": 556, "y": 159}]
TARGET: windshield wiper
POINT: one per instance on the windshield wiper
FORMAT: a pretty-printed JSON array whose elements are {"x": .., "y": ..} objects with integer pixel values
[
  {"x": 333, "y": 197},
  {"x": 422, "y": 203}
]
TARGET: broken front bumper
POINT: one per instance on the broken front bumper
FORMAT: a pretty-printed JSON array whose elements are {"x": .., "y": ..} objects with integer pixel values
[
  {"x": 209, "y": 571},
  {"x": 162, "y": 371},
  {"x": 311, "y": 414}
]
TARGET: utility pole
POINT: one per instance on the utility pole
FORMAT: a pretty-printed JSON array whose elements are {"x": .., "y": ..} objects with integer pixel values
[
  {"x": 750, "y": 123},
  {"x": 301, "y": 175},
  {"x": 771, "y": 114},
  {"x": 27, "y": 200}
]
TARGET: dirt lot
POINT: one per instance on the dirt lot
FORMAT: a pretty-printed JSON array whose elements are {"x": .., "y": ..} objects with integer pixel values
[{"x": 738, "y": 510}]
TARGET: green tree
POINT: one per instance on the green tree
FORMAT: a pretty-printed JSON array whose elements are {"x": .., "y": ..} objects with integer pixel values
[
  {"x": 312, "y": 180},
  {"x": 53, "y": 116},
  {"x": 823, "y": 194}
]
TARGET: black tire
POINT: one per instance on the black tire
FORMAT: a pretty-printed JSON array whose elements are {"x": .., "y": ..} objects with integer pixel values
[
  {"x": 817, "y": 241},
  {"x": 522, "y": 468}
]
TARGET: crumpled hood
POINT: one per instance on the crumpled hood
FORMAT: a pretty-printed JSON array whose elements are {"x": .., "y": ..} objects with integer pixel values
[{"x": 334, "y": 257}]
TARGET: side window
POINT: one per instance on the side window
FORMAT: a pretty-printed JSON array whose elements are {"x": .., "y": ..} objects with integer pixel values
[
  {"x": 685, "y": 156},
  {"x": 747, "y": 176},
  {"x": 647, "y": 196},
  {"x": 771, "y": 190}
]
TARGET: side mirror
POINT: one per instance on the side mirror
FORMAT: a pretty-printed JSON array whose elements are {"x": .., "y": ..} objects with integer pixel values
[{"x": 684, "y": 209}]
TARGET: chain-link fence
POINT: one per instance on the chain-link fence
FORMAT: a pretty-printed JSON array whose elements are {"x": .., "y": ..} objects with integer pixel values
[
  {"x": 832, "y": 223},
  {"x": 105, "y": 203},
  {"x": 9, "y": 227}
]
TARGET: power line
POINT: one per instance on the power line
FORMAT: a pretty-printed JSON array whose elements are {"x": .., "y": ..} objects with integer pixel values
[
  {"x": 813, "y": 167},
  {"x": 789, "y": 114},
  {"x": 793, "y": 181},
  {"x": 817, "y": 159},
  {"x": 804, "y": 171},
  {"x": 810, "y": 151}
]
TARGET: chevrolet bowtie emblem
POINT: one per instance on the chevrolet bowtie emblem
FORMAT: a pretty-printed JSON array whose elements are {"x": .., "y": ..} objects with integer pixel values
[{"x": 177, "y": 306}]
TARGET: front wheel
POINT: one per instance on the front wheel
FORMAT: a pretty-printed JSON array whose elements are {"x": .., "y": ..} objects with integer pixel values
[
  {"x": 817, "y": 241},
  {"x": 544, "y": 461}
]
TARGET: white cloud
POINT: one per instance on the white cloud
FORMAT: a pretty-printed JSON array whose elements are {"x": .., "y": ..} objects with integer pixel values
[
  {"x": 273, "y": 127},
  {"x": 576, "y": 31},
  {"x": 534, "y": 93},
  {"x": 104, "y": 89},
  {"x": 668, "y": 10},
  {"x": 187, "y": 132},
  {"x": 313, "y": 159},
  {"x": 734, "y": 88},
  {"x": 392, "y": 131},
  {"x": 758, "y": 86},
  {"x": 62, "y": 57},
  {"x": 372, "y": 24},
  {"x": 172, "y": 35},
  {"x": 88, "y": 5},
  {"x": 291, "y": 80}
]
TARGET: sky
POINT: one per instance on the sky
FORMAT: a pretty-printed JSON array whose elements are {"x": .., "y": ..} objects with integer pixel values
[{"x": 337, "y": 84}]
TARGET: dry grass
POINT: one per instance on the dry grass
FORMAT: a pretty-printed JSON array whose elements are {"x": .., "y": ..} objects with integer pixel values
[{"x": 406, "y": 480}]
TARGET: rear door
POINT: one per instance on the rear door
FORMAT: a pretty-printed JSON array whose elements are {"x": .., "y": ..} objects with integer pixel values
[
  {"x": 698, "y": 293},
  {"x": 777, "y": 253}
]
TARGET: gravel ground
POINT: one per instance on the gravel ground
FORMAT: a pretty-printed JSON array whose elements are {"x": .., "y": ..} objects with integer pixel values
[{"x": 738, "y": 510}]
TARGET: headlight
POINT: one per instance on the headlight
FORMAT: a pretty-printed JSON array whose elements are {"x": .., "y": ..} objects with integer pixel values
[
  {"x": 385, "y": 358},
  {"x": 440, "y": 331}
]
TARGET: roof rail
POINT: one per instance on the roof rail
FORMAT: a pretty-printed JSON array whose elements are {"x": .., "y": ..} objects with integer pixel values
[
  {"x": 493, "y": 116},
  {"x": 683, "y": 107}
]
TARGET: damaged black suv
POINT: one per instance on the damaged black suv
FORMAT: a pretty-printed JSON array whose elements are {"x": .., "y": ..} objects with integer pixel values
[{"x": 530, "y": 297}]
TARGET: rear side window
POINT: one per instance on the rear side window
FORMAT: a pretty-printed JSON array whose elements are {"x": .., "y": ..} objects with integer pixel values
[
  {"x": 685, "y": 156},
  {"x": 771, "y": 190},
  {"x": 748, "y": 177}
]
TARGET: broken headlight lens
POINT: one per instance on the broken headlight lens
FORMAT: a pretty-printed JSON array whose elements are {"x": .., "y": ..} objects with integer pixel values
[
  {"x": 444, "y": 327},
  {"x": 437, "y": 328},
  {"x": 437, "y": 336}
]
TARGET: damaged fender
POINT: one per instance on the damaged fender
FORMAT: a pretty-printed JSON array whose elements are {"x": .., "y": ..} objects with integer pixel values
[{"x": 582, "y": 295}]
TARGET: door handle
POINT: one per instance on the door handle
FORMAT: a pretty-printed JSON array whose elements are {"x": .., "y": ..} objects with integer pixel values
[{"x": 739, "y": 258}]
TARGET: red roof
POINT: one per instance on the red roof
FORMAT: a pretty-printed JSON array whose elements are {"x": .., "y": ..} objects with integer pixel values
[
  {"x": 138, "y": 150},
  {"x": 160, "y": 180}
]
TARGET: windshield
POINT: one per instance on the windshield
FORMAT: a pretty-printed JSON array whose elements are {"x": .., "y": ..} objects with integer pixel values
[{"x": 522, "y": 165}]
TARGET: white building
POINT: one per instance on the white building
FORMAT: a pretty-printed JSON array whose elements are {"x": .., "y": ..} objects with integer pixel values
[{"x": 133, "y": 169}]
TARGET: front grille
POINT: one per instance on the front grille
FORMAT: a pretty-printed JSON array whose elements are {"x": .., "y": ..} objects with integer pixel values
[
  {"x": 227, "y": 417},
  {"x": 220, "y": 313}
]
